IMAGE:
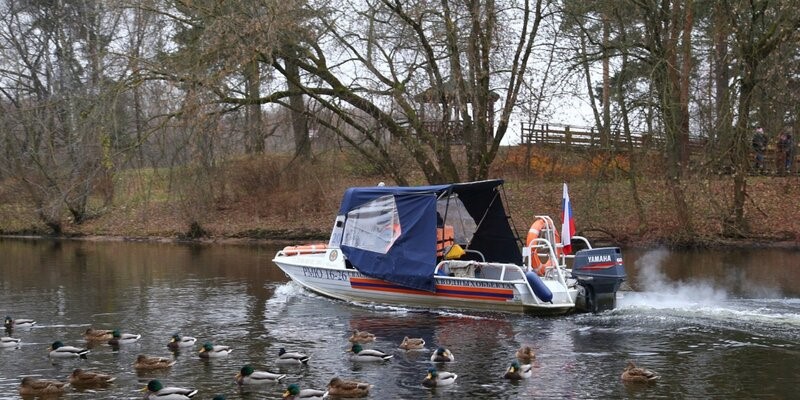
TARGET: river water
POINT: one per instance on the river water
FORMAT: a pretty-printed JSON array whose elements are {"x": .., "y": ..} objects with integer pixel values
[{"x": 714, "y": 324}]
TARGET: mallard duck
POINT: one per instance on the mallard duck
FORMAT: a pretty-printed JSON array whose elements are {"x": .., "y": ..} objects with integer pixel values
[
  {"x": 58, "y": 350},
  {"x": 98, "y": 335},
  {"x": 211, "y": 351},
  {"x": 517, "y": 371},
  {"x": 343, "y": 388},
  {"x": 6, "y": 341},
  {"x": 293, "y": 392},
  {"x": 525, "y": 354},
  {"x": 155, "y": 390},
  {"x": 11, "y": 323},
  {"x": 41, "y": 387},
  {"x": 412, "y": 343},
  {"x": 436, "y": 378},
  {"x": 144, "y": 362},
  {"x": 634, "y": 374},
  {"x": 361, "y": 337},
  {"x": 248, "y": 375},
  {"x": 87, "y": 379},
  {"x": 123, "y": 338},
  {"x": 179, "y": 341},
  {"x": 285, "y": 357},
  {"x": 362, "y": 354},
  {"x": 442, "y": 355}
]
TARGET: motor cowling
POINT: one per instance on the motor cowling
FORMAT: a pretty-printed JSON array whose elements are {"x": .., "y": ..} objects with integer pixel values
[{"x": 599, "y": 272}]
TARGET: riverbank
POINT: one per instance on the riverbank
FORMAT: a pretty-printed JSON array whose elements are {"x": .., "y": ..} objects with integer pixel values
[{"x": 304, "y": 211}]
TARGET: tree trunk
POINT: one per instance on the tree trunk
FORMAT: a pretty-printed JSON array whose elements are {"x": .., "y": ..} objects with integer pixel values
[{"x": 302, "y": 143}]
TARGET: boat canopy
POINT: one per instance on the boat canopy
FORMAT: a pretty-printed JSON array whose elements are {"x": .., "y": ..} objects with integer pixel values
[{"x": 390, "y": 233}]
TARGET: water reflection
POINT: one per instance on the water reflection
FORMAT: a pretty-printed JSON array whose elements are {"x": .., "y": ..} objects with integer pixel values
[{"x": 714, "y": 324}]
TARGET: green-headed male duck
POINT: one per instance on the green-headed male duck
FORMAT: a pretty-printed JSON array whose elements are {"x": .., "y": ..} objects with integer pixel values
[
  {"x": 436, "y": 378},
  {"x": 285, "y": 357},
  {"x": 293, "y": 392},
  {"x": 518, "y": 371},
  {"x": 11, "y": 323},
  {"x": 248, "y": 376},
  {"x": 442, "y": 355},
  {"x": 58, "y": 350},
  {"x": 362, "y": 354},
  {"x": 155, "y": 390},
  {"x": 211, "y": 351},
  {"x": 177, "y": 341},
  {"x": 123, "y": 338}
]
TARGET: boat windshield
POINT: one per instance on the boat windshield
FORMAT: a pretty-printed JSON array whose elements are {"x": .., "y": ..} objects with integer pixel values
[
  {"x": 456, "y": 215},
  {"x": 373, "y": 226}
]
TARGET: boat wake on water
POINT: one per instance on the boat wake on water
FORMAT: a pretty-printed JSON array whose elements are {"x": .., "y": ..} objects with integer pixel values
[{"x": 703, "y": 304}]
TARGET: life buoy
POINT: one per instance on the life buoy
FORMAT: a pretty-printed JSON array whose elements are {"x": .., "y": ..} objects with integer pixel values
[
  {"x": 305, "y": 249},
  {"x": 536, "y": 263}
]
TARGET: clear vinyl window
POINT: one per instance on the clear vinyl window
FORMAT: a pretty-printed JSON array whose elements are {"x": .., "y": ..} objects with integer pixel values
[{"x": 373, "y": 226}]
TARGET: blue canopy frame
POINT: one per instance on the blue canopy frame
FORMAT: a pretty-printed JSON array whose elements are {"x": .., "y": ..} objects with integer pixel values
[{"x": 411, "y": 259}]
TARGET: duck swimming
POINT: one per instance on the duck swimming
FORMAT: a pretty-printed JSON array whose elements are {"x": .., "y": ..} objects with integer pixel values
[
  {"x": 525, "y": 354},
  {"x": 293, "y": 392},
  {"x": 58, "y": 350},
  {"x": 412, "y": 343},
  {"x": 86, "y": 379},
  {"x": 144, "y": 362},
  {"x": 123, "y": 338},
  {"x": 285, "y": 357},
  {"x": 41, "y": 387},
  {"x": 442, "y": 355},
  {"x": 361, "y": 337},
  {"x": 97, "y": 335},
  {"x": 517, "y": 371},
  {"x": 362, "y": 354},
  {"x": 248, "y": 376},
  {"x": 211, "y": 351},
  {"x": 634, "y": 374},
  {"x": 155, "y": 390},
  {"x": 436, "y": 378},
  {"x": 11, "y": 323},
  {"x": 6, "y": 341},
  {"x": 338, "y": 387},
  {"x": 179, "y": 341}
]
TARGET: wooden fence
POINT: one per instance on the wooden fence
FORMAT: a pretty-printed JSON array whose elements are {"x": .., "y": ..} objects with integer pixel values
[{"x": 590, "y": 138}]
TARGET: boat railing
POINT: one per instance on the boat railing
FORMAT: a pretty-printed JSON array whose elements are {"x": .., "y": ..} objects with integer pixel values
[
  {"x": 565, "y": 256},
  {"x": 557, "y": 265},
  {"x": 303, "y": 249},
  {"x": 479, "y": 270}
]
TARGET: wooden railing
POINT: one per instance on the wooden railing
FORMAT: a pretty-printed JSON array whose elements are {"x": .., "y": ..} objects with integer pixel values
[{"x": 589, "y": 137}]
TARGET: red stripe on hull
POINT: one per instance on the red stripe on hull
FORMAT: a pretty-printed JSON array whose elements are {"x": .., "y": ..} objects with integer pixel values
[{"x": 491, "y": 294}]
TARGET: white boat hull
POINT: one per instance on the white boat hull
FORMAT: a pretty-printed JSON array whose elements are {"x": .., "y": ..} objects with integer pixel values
[{"x": 326, "y": 274}]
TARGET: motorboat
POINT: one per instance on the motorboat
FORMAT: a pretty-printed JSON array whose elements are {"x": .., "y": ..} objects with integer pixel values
[{"x": 451, "y": 246}]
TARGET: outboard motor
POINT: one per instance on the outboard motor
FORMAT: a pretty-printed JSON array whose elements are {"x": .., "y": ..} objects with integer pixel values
[{"x": 599, "y": 272}]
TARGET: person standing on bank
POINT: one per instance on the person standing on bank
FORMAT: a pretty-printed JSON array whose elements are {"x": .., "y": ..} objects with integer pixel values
[
  {"x": 759, "y": 146},
  {"x": 785, "y": 151}
]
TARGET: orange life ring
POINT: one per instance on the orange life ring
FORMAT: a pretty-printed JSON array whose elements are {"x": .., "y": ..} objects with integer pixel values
[
  {"x": 305, "y": 249},
  {"x": 536, "y": 263}
]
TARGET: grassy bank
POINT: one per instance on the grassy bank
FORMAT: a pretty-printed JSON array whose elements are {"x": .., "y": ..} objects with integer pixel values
[{"x": 271, "y": 198}]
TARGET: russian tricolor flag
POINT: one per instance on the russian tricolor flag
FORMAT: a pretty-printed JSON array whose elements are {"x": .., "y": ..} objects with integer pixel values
[{"x": 567, "y": 223}]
